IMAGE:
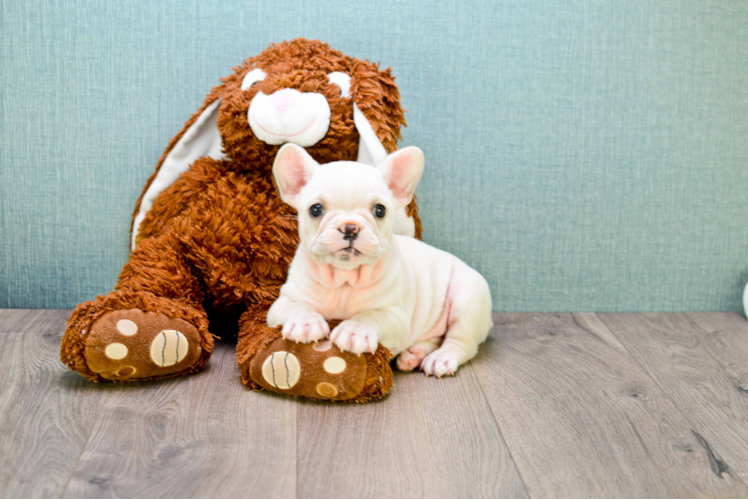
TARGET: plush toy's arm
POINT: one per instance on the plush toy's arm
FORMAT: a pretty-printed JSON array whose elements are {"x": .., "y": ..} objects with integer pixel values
[{"x": 173, "y": 200}]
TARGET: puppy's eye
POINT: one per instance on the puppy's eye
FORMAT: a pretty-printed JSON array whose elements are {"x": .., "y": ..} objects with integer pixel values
[
  {"x": 316, "y": 210},
  {"x": 379, "y": 210}
]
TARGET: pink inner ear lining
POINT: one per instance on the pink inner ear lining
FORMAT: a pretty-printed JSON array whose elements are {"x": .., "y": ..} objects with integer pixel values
[
  {"x": 397, "y": 171},
  {"x": 296, "y": 175}
]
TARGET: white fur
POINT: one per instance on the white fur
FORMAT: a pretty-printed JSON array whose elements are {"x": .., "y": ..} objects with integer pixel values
[
  {"x": 304, "y": 123},
  {"x": 423, "y": 304}
]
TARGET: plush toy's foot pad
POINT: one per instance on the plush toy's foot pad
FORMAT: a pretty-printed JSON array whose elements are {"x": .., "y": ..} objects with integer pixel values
[
  {"x": 321, "y": 371},
  {"x": 132, "y": 344}
]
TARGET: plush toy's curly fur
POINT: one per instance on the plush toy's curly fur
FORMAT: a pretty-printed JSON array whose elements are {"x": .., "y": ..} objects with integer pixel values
[{"x": 220, "y": 237}]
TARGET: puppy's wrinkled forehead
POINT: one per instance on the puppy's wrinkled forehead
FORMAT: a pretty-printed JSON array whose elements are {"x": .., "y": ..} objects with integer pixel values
[
  {"x": 299, "y": 179},
  {"x": 346, "y": 185}
]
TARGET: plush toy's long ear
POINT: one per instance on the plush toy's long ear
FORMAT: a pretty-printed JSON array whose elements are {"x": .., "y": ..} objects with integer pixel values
[
  {"x": 378, "y": 117},
  {"x": 200, "y": 137},
  {"x": 377, "y": 113},
  {"x": 292, "y": 169},
  {"x": 401, "y": 171},
  {"x": 370, "y": 149}
]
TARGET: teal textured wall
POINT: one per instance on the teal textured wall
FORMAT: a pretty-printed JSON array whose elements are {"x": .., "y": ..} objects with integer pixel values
[{"x": 581, "y": 155}]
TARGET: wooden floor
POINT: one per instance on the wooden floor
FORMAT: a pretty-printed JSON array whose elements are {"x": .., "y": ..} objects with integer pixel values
[{"x": 555, "y": 405}]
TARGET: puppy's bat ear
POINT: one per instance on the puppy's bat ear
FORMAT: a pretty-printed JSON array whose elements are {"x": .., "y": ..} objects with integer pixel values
[
  {"x": 292, "y": 169},
  {"x": 401, "y": 171}
]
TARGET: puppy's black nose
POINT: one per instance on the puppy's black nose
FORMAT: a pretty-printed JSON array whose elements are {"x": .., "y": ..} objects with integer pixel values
[{"x": 351, "y": 232}]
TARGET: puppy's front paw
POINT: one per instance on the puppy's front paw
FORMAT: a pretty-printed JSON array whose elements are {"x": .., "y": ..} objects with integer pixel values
[
  {"x": 306, "y": 327},
  {"x": 355, "y": 337},
  {"x": 440, "y": 363}
]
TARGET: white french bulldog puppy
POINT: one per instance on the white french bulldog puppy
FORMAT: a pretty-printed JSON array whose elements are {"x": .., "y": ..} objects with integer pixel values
[{"x": 423, "y": 304}]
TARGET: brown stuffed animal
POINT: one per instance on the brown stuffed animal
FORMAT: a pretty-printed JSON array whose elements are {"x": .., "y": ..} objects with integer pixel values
[{"x": 211, "y": 234}]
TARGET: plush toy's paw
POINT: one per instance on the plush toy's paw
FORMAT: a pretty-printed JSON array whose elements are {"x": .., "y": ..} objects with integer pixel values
[
  {"x": 306, "y": 327},
  {"x": 116, "y": 338},
  {"x": 355, "y": 337},
  {"x": 440, "y": 363},
  {"x": 132, "y": 344},
  {"x": 317, "y": 370}
]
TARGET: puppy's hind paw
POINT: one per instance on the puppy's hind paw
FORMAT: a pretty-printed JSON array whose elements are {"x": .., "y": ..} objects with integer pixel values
[
  {"x": 306, "y": 327},
  {"x": 440, "y": 363},
  {"x": 407, "y": 361},
  {"x": 411, "y": 359}
]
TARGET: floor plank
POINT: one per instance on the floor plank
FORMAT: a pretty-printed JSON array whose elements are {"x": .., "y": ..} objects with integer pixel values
[
  {"x": 14, "y": 321},
  {"x": 196, "y": 436},
  {"x": 428, "y": 438},
  {"x": 46, "y": 412},
  {"x": 582, "y": 418},
  {"x": 701, "y": 361}
]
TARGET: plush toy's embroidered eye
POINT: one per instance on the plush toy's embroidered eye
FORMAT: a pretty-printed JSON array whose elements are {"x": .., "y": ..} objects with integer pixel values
[
  {"x": 379, "y": 210},
  {"x": 341, "y": 80},
  {"x": 316, "y": 210},
  {"x": 252, "y": 77}
]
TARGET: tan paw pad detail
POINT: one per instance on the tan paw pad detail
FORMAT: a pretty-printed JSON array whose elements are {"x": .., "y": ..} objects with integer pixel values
[
  {"x": 334, "y": 365},
  {"x": 127, "y": 327},
  {"x": 116, "y": 350},
  {"x": 327, "y": 390},
  {"x": 322, "y": 346},
  {"x": 282, "y": 370},
  {"x": 169, "y": 348},
  {"x": 126, "y": 371}
]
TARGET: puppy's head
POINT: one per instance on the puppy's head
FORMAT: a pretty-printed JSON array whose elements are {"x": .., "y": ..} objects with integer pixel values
[{"x": 346, "y": 209}]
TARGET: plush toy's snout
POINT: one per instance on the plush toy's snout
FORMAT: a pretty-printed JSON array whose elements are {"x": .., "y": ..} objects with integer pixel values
[
  {"x": 284, "y": 99},
  {"x": 288, "y": 115}
]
